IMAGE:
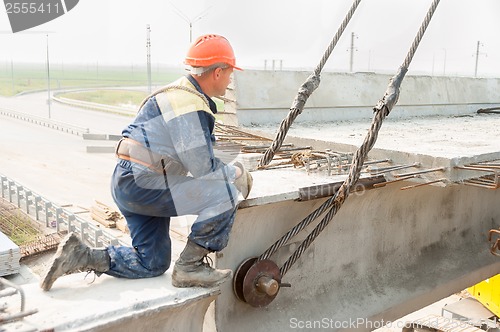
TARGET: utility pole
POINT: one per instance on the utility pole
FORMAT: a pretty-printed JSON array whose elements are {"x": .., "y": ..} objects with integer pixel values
[
  {"x": 148, "y": 52},
  {"x": 477, "y": 57},
  {"x": 433, "y": 61},
  {"x": 478, "y": 53},
  {"x": 352, "y": 51},
  {"x": 444, "y": 65},
  {"x": 48, "y": 75},
  {"x": 12, "y": 75},
  {"x": 190, "y": 32},
  {"x": 188, "y": 20},
  {"x": 369, "y": 59}
]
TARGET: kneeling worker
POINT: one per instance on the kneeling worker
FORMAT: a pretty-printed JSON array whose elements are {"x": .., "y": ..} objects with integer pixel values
[{"x": 166, "y": 167}]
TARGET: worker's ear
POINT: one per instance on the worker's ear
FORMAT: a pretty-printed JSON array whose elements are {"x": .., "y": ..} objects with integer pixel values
[{"x": 217, "y": 72}]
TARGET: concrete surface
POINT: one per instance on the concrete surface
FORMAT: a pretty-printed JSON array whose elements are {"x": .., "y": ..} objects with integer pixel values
[
  {"x": 79, "y": 303},
  {"x": 265, "y": 97},
  {"x": 387, "y": 252},
  {"x": 54, "y": 164},
  {"x": 451, "y": 137},
  {"x": 437, "y": 141}
]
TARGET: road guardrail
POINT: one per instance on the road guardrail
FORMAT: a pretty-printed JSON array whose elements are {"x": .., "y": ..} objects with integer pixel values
[
  {"x": 53, "y": 216},
  {"x": 58, "y": 125}
]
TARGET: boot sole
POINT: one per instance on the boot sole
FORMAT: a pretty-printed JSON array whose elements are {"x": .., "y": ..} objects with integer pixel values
[
  {"x": 188, "y": 284},
  {"x": 55, "y": 264}
]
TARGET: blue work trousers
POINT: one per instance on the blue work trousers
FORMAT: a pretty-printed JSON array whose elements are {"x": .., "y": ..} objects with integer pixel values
[{"x": 148, "y": 202}]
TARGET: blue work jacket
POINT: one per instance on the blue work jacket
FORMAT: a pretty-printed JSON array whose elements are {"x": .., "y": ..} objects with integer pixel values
[{"x": 178, "y": 123}]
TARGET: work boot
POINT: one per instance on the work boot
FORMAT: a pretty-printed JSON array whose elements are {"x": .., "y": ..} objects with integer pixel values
[
  {"x": 74, "y": 256},
  {"x": 191, "y": 271}
]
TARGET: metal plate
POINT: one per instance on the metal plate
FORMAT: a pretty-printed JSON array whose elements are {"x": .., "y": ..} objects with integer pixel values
[{"x": 250, "y": 292}]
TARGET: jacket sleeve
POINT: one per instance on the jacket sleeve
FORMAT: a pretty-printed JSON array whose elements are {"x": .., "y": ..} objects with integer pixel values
[{"x": 191, "y": 139}]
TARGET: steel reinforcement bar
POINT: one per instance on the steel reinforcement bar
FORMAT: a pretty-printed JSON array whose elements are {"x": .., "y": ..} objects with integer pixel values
[{"x": 53, "y": 216}]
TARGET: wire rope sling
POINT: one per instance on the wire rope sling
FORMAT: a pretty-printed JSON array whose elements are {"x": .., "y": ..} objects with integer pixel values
[{"x": 257, "y": 280}]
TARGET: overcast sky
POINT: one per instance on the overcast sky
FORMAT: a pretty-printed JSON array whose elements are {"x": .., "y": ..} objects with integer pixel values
[{"x": 294, "y": 31}]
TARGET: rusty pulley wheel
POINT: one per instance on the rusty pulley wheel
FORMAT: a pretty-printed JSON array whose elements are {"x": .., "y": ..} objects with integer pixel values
[{"x": 257, "y": 282}]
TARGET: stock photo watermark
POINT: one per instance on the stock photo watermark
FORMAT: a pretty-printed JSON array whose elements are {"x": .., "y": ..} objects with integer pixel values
[
  {"x": 24, "y": 15},
  {"x": 358, "y": 189},
  {"x": 327, "y": 323}
]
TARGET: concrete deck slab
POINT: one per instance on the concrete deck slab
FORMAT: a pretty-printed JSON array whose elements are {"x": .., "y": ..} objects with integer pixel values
[
  {"x": 437, "y": 136},
  {"x": 76, "y": 303},
  {"x": 432, "y": 142}
]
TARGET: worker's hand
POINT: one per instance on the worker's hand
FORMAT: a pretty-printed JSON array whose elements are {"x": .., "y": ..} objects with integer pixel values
[{"x": 243, "y": 182}]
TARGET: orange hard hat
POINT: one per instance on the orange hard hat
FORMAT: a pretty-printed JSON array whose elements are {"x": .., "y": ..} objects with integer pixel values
[{"x": 210, "y": 49}]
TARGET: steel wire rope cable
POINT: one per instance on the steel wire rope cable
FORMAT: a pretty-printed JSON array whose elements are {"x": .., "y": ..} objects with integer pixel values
[
  {"x": 305, "y": 90},
  {"x": 382, "y": 109},
  {"x": 175, "y": 87}
]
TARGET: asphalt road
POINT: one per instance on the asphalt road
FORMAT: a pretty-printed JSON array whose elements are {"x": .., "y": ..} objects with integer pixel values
[
  {"x": 52, "y": 163},
  {"x": 96, "y": 121}
]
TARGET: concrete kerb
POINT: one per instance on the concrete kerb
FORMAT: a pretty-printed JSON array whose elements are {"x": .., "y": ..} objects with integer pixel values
[{"x": 95, "y": 106}]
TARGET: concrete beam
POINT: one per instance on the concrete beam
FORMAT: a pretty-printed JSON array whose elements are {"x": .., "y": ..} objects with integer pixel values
[
  {"x": 386, "y": 253},
  {"x": 264, "y": 97},
  {"x": 111, "y": 304}
]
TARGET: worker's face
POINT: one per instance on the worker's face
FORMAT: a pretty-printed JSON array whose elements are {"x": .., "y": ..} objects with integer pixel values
[{"x": 222, "y": 80}]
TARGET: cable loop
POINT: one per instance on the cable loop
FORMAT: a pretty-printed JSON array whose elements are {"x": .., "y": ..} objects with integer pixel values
[
  {"x": 335, "y": 202},
  {"x": 306, "y": 89}
]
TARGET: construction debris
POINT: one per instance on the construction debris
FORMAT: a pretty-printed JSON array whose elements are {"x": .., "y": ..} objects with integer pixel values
[
  {"x": 121, "y": 224},
  {"x": 103, "y": 214},
  {"x": 108, "y": 217},
  {"x": 491, "y": 110}
]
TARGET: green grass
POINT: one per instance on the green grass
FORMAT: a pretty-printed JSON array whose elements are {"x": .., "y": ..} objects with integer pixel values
[
  {"x": 108, "y": 97},
  {"x": 18, "y": 78},
  {"x": 119, "y": 97},
  {"x": 31, "y": 77}
]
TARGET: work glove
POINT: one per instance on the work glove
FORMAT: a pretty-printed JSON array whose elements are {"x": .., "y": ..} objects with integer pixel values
[{"x": 244, "y": 182}]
